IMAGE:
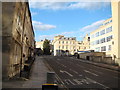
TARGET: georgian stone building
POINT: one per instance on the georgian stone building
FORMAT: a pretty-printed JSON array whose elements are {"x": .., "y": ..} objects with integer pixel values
[
  {"x": 17, "y": 37},
  {"x": 69, "y": 45}
]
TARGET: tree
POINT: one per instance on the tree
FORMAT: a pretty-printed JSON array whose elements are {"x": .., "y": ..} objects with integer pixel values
[{"x": 46, "y": 47}]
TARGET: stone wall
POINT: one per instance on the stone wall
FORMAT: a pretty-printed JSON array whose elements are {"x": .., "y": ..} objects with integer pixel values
[
  {"x": 18, "y": 37},
  {"x": 99, "y": 57}
]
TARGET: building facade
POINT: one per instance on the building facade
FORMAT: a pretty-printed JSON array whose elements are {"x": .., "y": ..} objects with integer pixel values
[
  {"x": 69, "y": 45},
  {"x": 116, "y": 29},
  {"x": 17, "y": 37},
  {"x": 102, "y": 38},
  {"x": 107, "y": 37},
  {"x": 84, "y": 45},
  {"x": 39, "y": 44}
]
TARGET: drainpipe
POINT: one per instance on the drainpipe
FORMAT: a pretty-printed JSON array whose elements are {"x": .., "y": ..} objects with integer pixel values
[{"x": 22, "y": 40}]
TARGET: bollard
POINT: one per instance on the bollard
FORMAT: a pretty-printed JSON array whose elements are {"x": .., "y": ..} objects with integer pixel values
[
  {"x": 50, "y": 82},
  {"x": 50, "y": 77},
  {"x": 49, "y": 87}
]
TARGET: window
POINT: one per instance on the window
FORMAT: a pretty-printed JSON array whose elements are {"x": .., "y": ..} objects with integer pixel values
[
  {"x": 110, "y": 20},
  {"x": 59, "y": 42},
  {"x": 97, "y": 34},
  {"x": 92, "y": 43},
  {"x": 103, "y": 48},
  {"x": 106, "y": 23},
  {"x": 62, "y": 47},
  {"x": 97, "y": 49},
  {"x": 102, "y": 40},
  {"x": 63, "y": 42},
  {"x": 97, "y": 41},
  {"x": 59, "y": 47},
  {"x": 109, "y": 29},
  {"x": 109, "y": 38},
  {"x": 66, "y": 47},
  {"x": 109, "y": 47},
  {"x": 73, "y": 47},
  {"x": 66, "y": 42},
  {"x": 102, "y": 32},
  {"x": 92, "y": 36}
]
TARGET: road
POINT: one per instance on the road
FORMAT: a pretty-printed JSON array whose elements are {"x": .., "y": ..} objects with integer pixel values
[{"x": 76, "y": 73}]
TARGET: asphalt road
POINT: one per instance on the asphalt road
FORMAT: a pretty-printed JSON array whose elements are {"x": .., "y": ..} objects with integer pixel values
[{"x": 76, "y": 73}]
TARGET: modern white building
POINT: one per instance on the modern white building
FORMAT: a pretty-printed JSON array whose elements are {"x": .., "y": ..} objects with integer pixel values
[
  {"x": 107, "y": 37},
  {"x": 102, "y": 38}
]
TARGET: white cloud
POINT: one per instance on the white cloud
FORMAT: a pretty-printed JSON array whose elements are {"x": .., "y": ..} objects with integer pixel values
[
  {"x": 88, "y": 5},
  {"x": 89, "y": 28},
  {"x": 41, "y": 26},
  {"x": 68, "y": 5},
  {"x": 51, "y": 37},
  {"x": 92, "y": 26},
  {"x": 66, "y": 33},
  {"x": 43, "y": 37},
  {"x": 78, "y": 33},
  {"x": 34, "y": 13}
]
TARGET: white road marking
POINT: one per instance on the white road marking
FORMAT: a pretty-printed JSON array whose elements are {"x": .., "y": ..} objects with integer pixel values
[
  {"x": 73, "y": 71},
  {"x": 66, "y": 73},
  {"x": 91, "y": 73},
  {"x": 71, "y": 82},
  {"x": 66, "y": 82},
  {"x": 80, "y": 75},
  {"x": 106, "y": 87},
  {"x": 81, "y": 66},
  {"x": 96, "y": 71},
  {"x": 78, "y": 82},
  {"x": 61, "y": 64}
]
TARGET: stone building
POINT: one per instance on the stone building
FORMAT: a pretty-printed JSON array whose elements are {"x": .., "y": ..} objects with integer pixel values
[
  {"x": 69, "y": 45},
  {"x": 17, "y": 37},
  {"x": 84, "y": 44},
  {"x": 39, "y": 44}
]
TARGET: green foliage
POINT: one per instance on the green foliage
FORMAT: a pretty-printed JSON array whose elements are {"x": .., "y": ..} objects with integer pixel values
[{"x": 46, "y": 47}]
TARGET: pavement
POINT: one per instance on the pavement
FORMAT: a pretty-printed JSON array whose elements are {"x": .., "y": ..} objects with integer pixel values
[
  {"x": 37, "y": 77},
  {"x": 108, "y": 66}
]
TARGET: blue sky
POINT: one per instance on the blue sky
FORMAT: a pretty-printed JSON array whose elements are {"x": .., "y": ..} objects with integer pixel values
[{"x": 72, "y": 19}]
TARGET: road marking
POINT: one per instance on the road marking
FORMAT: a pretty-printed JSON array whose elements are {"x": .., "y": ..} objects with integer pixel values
[
  {"x": 96, "y": 71},
  {"x": 71, "y": 82},
  {"x": 73, "y": 71},
  {"x": 105, "y": 87},
  {"x": 61, "y": 64},
  {"x": 66, "y": 73},
  {"x": 91, "y": 73},
  {"x": 66, "y": 82},
  {"x": 58, "y": 59},
  {"x": 80, "y": 75},
  {"x": 81, "y": 66},
  {"x": 90, "y": 80},
  {"x": 78, "y": 82}
]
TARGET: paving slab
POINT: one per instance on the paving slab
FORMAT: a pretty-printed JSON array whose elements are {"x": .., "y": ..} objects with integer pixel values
[{"x": 37, "y": 78}]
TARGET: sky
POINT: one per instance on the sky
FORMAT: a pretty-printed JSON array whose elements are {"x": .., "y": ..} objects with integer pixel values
[{"x": 71, "y": 19}]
